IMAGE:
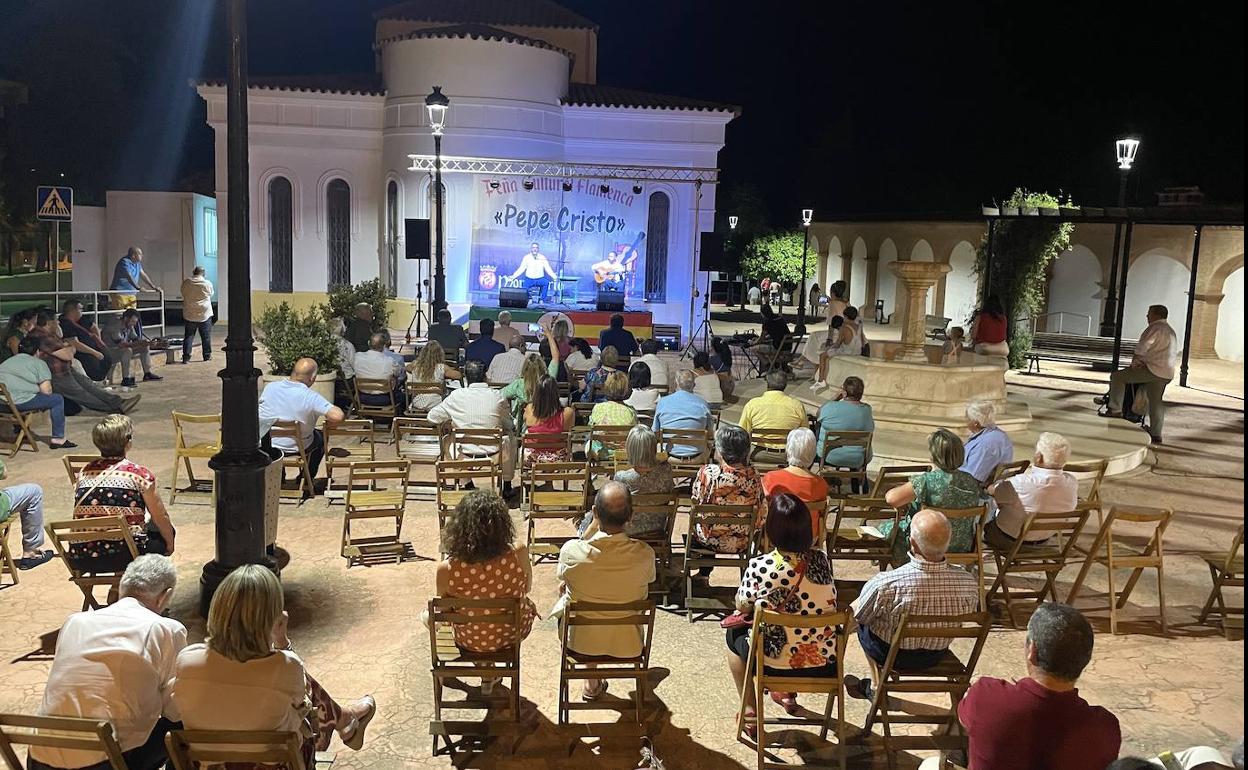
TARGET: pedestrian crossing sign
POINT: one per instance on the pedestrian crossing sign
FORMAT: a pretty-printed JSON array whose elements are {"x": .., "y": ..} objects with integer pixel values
[{"x": 55, "y": 204}]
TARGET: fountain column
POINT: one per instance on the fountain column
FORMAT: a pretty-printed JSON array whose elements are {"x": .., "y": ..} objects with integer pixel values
[{"x": 917, "y": 279}]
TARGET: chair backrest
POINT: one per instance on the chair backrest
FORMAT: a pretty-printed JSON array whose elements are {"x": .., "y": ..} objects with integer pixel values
[
  {"x": 364, "y": 475},
  {"x": 1006, "y": 470},
  {"x": 74, "y": 465},
  {"x": 582, "y": 410},
  {"x": 183, "y": 419},
  {"x": 1158, "y": 517},
  {"x": 845, "y": 438},
  {"x": 545, "y": 442},
  {"x": 289, "y": 429},
  {"x": 355, "y": 436},
  {"x": 458, "y": 474},
  {"x": 813, "y": 624},
  {"x": 424, "y": 388},
  {"x": 193, "y": 749},
  {"x": 455, "y": 611},
  {"x": 973, "y": 625},
  {"x": 664, "y": 503},
  {"x": 1065, "y": 525},
  {"x": 375, "y": 386},
  {"x": 9, "y": 410},
  {"x": 612, "y": 437},
  {"x": 702, "y": 438},
  {"x": 415, "y": 436},
  {"x": 571, "y": 476},
  {"x": 68, "y": 733},
  {"x": 638, "y": 614},
  {"x": 769, "y": 439},
  {"x": 711, "y": 515},
  {"x": 64, "y": 534},
  {"x": 873, "y": 512},
  {"x": 645, "y": 417},
  {"x": 1094, "y": 469},
  {"x": 488, "y": 440},
  {"x": 978, "y": 514},
  {"x": 891, "y": 476}
]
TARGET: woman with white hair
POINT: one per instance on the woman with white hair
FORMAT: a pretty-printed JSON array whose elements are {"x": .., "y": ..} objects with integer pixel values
[
  {"x": 646, "y": 474},
  {"x": 245, "y": 676},
  {"x": 988, "y": 445},
  {"x": 796, "y": 478},
  {"x": 1043, "y": 488}
]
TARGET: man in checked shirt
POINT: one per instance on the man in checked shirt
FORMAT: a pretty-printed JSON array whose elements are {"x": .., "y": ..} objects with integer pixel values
[{"x": 927, "y": 585}]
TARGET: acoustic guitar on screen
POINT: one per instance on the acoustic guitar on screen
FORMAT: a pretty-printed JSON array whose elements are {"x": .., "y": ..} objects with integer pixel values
[{"x": 615, "y": 267}]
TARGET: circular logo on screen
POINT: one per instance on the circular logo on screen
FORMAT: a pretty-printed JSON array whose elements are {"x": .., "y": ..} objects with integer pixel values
[
  {"x": 487, "y": 278},
  {"x": 548, "y": 320}
]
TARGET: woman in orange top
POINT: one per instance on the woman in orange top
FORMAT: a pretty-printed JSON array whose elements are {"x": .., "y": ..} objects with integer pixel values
[{"x": 796, "y": 479}]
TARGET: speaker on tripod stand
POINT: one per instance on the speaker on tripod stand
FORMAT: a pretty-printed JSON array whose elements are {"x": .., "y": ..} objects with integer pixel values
[
  {"x": 711, "y": 258},
  {"x": 416, "y": 245}
]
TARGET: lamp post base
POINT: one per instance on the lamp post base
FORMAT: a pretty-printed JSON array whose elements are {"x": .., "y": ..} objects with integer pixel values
[{"x": 240, "y": 531}]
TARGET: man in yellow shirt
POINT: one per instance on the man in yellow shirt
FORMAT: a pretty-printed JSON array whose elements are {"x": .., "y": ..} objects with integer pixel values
[{"x": 774, "y": 410}]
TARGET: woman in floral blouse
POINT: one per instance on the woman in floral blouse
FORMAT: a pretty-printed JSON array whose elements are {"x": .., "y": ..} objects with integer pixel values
[
  {"x": 793, "y": 579},
  {"x": 731, "y": 481},
  {"x": 596, "y": 378}
]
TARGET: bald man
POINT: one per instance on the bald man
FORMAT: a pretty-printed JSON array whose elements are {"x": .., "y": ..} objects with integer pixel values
[
  {"x": 294, "y": 399},
  {"x": 927, "y": 585}
]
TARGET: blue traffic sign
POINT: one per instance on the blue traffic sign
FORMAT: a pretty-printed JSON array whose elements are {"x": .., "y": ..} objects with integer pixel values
[{"x": 55, "y": 204}]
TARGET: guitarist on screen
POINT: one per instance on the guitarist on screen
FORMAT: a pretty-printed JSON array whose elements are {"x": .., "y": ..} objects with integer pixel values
[{"x": 609, "y": 274}]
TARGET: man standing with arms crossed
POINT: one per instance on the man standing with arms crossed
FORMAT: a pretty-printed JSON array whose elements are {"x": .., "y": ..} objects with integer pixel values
[{"x": 196, "y": 314}]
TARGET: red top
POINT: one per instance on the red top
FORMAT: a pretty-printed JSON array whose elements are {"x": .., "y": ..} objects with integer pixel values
[
  {"x": 808, "y": 489},
  {"x": 1026, "y": 726},
  {"x": 991, "y": 328}
]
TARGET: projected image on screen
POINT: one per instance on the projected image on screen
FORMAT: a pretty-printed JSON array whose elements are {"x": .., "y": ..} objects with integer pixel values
[{"x": 559, "y": 245}]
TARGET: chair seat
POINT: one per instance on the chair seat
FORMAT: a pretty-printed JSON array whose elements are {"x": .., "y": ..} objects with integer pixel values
[
  {"x": 1219, "y": 560},
  {"x": 381, "y": 498},
  {"x": 948, "y": 665},
  {"x": 557, "y": 499},
  {"x": 579, "y": 658},
  {"x": 203, "y": 449},
  {"x": 449, "y": 498}
]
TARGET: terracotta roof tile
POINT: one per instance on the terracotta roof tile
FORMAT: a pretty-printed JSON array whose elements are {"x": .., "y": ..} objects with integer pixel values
[
  {"x": 363, "y": 84},
  {"x": 591, "y": 95},
  {"x": 524, "y": 13}
]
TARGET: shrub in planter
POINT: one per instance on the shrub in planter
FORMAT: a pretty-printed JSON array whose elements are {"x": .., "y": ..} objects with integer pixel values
[
  {"x": 289, "y": 335},
  {"x": 343, "y": 299}
]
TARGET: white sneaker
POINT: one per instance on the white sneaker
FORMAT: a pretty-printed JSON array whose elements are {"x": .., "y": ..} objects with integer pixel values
[{"x": 816, "y": 385}]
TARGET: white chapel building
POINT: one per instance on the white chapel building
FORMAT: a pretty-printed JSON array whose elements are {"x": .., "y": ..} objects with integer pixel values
[{"x": 330, "y": 184}]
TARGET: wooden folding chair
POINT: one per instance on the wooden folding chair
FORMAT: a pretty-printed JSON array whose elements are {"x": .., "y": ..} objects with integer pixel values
[
  {"x": 7, "y": 565},
  {"x": 973, "y": 560},
  {"x": 298, "y": 460},
  {"x": 75, "y": 463},
  {"x": 195, "y": 749},
  {"x": 768, "y": 447},
  {"x": 645, "y": 417},
  {"x": 575, "y": 667},
  {"x": 1227, "y": 571},
  {"x": 1004, "y": 471},
  {"x": 373, "y": 387},
  {"x": 745, "y": 519},
  {"x": 416, "y": 389},
  {"x": 420, "y": 442},
  {"x": 65, "y": 534},
  {"x": 950, "y": 675},
  {"x": 376, "y": 489},
  {"x": 1094, "y": 473},
  {"x": 1115, "y": 556},
  {"x": 583, "y": 410},
  {"x": 847, "y": 438},
  {"x": 831, "y": 686},
  {"x": 186, "y": 448},
  {"x": 613, "y": 452},
  {"x": 890, "y": 476},
  {"x": 95, "y": 735},
  {"x": 19, "y": 422},
  {"x": 346, "y": 442},
  {"x": 450, "y": 662},
  {"x": 663, "y": 503},
  {"x": 568, "y": 505},
  {"x": 1046, "y": 558},
  {"x": 849, "y": 541},
  {"x": 685, "y": 468},
  {"x": 532, "y": 444},
  {"x": 474, "y": 443},
  {"x": 456, "y": 478}
]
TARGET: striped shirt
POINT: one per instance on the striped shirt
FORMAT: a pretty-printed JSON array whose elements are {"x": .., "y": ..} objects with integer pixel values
[{"x": 920, "y": 588}]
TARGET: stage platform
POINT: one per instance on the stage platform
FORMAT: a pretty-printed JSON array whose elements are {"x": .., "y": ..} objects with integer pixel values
[{"x": 585, "y": 323}]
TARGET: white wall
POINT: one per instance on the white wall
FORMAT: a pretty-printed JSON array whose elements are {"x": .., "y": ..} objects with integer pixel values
[
  {"x": 858, "y": 277},
  {"x": 886, "y": 288},
  {"x": 1073, "y": 289},
  {"x": 1230, "y": 339},
  {"x": 961, "y": 286},
  {"x": 1155, "y": 278},
  {"x": 90, "y": 235},
  {"x": 162, "y": 224}
]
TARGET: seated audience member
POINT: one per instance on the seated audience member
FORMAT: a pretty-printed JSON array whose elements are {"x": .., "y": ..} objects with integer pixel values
[
  {"x": 945, "y": 486},
  {"x": 505, "y": 334},
  {"x": 505, "y": 367},
  {"x": 642, "y": 391},
  {"x": 926, "y": 585},
  {"x": 449, "y": 335},
  {"x": 794, "y": 578},
  {"x": 645, "y": 475},
  {"x": 245, "y": 675},
  {"x": 92, "y": 353},
  {"x": 774, "y": 409},
  {"x": 988, "y": 446},
  {"x": 20, "y": 324},
  {"x": 430, "y": 367},
  {"x": 25, "y": 501},
  {"x": 360, "y": 327},
  {"x": 612, "y": 411},
  {"x": 659, "y": 376},
  {"x": 721, "y": 362},
  {"x": 563, "y": 337},
  {"x": 126, "y": 341},
  {"x": 374, "y": 364},
  {"x": 1043, "y": 488},
  {"x": 481, "y": 407},
  {"x": 346, "y": 356},
  {"x": 68, "y": 377},
  {"x": 115, "y": 486},
  {"x": 608, "y": 568},
  {"x": 796, "y": 479},
  {"x": 729, "y": 481},
  {"x": 29, "y": 381},
  {"x": 951, "y": 351},
  {"x": 520, "y": 391},
  {"x": 616, "y": 336},
  {"x": 482, "y": 562},
  {"x": 842, "y": 340},
  {"x": 990, "y": 329},
  {"x": 595, "y": 378},
  {"x": 684, "y": 410},
  {"x": 553, "y": 359},
  {"x": 582, "y": 358},
  {"x": 1040, "y": 722},
  {"x": 293, "y": 399},
  {"x": 484, "y": 347},
  {"x": 846, "y": 411},
  {"x": 396, "y": 357},
  {"x": 706, "y": 381},
  {"x": 547, "y": 414},
  {"x": 774, "y": 330},
  {"x": 1195, "y": 758},
  {"x": 115, "y": 664}
]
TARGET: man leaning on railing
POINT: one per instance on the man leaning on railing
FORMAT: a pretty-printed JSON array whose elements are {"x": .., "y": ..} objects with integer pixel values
[{"x": 129, "y": 279}]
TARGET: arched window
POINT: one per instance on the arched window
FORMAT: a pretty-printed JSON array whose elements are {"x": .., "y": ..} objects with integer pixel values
[
  {"x": 338, "y": 232},
  {"x": 281, "y": 235},
  {"x": 656, "y": 246},
  {"x": 392, "y": 236}
]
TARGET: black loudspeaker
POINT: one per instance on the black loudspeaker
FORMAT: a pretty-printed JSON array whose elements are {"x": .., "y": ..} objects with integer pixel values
[
  {"x": 711, "y": 256},
  {"x": 416, "y": 240},
  {"x": 513, "y": 298},
  {"x": 609, "y": 299}
]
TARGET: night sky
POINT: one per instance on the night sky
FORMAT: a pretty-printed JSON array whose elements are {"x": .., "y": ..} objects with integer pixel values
[{"x": 847, "y": 107}]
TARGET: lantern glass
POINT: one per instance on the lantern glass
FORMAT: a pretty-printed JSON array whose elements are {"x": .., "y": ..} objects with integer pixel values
[
  {"x": 807, "y": 216},
  {"x": 732, "y": 222},
  {"x": 437, "y": 104},
  {"x": 1126, "y": 149}
]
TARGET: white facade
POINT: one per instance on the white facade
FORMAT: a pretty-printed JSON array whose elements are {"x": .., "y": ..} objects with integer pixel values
[{"x": 509, "y": 95}]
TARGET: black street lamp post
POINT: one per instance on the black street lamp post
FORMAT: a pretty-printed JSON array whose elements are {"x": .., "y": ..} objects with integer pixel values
[
  {"x": 807, "y": 215},
  {"x": 437, "y": 104},
  {"x": 1125, "y": 150}
]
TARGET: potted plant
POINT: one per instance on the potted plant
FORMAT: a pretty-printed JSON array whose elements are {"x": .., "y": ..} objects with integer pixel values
[
  {"x": 343, "y": 299},
  {"x": 289, "y": 335}
]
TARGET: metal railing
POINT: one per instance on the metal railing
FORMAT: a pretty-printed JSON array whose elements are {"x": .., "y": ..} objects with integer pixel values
[
  {"x": 1061, "y": 318},
  {"x": 94, "y": 307}
]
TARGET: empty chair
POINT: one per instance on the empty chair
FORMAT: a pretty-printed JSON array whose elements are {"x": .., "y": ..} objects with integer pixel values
[
  {"x": 1227, "y": 571},
  {"x": 375, "y": 490},
  {"x": 346, "y": 442},
  {"x": 187, "y": 448},
  {"x": 1116, "y": 555},
  {"x": 567, "y": 499}
]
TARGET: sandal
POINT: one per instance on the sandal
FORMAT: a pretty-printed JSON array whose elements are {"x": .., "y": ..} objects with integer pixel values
[
  {"x": 359, "y": 724},
  {"x": 30, "y": 562},
  {"x": 786, "y": 701},
  {"x": 751, "y": 725},
  {"x": 590, "y": 694}
]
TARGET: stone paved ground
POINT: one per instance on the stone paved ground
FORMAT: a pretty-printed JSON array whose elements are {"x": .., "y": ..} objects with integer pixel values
[{"x": 358, "y": 629}]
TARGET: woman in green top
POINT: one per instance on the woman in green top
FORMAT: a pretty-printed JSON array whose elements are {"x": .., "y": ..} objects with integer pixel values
[
  {"x": 520, "y": 391},
  {"x": 20, "y": 323},
  {"x": 942, "y": 487},
  {"x": 613, "y": 411}
]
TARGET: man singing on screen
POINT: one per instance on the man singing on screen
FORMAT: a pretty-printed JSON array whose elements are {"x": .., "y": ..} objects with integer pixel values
[{"x": 536, "y": 269}]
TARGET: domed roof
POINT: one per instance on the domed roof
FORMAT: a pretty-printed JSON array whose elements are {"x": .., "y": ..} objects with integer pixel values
[
  {"x": 474, "y": 32},
  {"x": 521, "y": 13}
]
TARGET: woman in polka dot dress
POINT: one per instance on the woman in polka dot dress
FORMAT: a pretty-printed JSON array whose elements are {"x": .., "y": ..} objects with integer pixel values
[{"x": 795, "y": 579}]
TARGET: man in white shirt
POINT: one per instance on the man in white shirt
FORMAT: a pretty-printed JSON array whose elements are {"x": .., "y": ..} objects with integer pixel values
[
  {"x": 658, "y": 369},
  {"x": 116, "y": 664},
  {"x": 376, "y": 364},
  {"x": 536, "y": 269},
  {"x": 1152, "y": 367},
  {"x": 506, "y": 366},
  {"x": 505, "y": 334},
  {"x": 479, "y": 406},
  {"x": 1043, "y": 488},
  {"x": 293, "y": 399},
  {"x": 197, "y": 314}
]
